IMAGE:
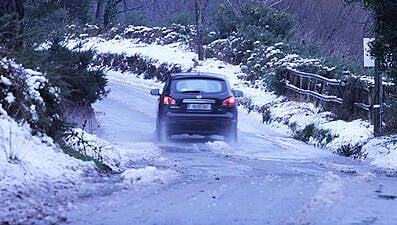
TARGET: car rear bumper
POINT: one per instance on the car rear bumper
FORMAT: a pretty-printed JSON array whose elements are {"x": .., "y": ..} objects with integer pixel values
[{"x": 206, "y": 124}]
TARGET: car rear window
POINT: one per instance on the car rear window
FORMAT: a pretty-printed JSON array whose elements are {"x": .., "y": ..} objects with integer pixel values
[{"x": 200, "y": 85}]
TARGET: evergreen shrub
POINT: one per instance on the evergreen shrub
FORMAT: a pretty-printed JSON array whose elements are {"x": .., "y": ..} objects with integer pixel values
[
  {"x": 389, "y": 115},
  {"x": 72, "y": 71},
  {"x": 29, "y": 97}
]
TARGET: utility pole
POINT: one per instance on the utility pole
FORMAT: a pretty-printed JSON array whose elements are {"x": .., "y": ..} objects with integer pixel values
[
  {"x": 378, "y": 102},
  {"x": 199, "y": 25}
]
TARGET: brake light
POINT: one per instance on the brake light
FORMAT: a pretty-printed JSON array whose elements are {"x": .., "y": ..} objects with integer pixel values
[
  {"x": 231, "y": 101},
  {"x": 168, "y": 101}
]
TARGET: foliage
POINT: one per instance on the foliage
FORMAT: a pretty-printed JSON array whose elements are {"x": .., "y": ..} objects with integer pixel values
[
  {"x": 140, "y": 65},
  {"x": 31, "y": 98},
  {"x": 266, "y": 116},
  {"x": 136, "y": 19},
  {"x": 225, "y": 21},
  {"x": 247, "y": 103},
  {"x": 184, "y": 18},
  {"x": 306, "y": 133},
  {"x": 351, "y": 150},
  {"x": 160, "y": 35},
  {"x": 255, "y": 21},
  {"x": 343, "y": 67},
  {"x": 10, "y": 39},
  {"x": 257, "y": 27},
  {"x": 384, "y": 47},
  {"x": 78, "y": 155},
  {"x": 77, "y": 145},
  {"x": 312, "y": 132},
  {"x": 389, "y": 115},
  {"x": 276, "y": 81},
  {"x": 72, "y": 74},
  {"x": 70, "y": 70},
  {"x": 258, "y": 41},
  {"x": 110, "y": 14},
  {"x": 67, "y": 76},
  {"x": 76, "y": 10},
  {"x": 44, "y": 20},
  {"x": 351, "y": 92}
]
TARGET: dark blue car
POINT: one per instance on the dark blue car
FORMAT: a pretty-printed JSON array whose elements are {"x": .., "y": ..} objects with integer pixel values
[{"x": 197, "y": 103}]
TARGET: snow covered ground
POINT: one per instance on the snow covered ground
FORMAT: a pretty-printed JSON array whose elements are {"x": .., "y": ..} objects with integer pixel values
[{"x": 33, "y": 168}]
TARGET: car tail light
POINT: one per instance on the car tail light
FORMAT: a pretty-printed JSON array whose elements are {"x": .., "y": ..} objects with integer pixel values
[
  {"x": 231, "y": 101},
  {"x": 168, "y": 100}
]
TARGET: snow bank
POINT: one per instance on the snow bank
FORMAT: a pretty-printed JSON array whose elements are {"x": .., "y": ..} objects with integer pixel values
[
  {"x": 27, "y": 158},
  {"x": 382, "y": 152},
  {"x": 351, "y": 133},
  {"x": 33, "y": 174}
]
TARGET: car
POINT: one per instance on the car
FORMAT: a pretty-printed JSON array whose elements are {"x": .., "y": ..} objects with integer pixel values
[{"x": 197, "y": 103}]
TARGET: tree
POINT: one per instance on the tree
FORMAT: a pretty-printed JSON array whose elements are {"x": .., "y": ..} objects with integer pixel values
[
  {"x": 383, "y": 48},
  {"x": 104, "y": 12},
  {"x": 199, "y": 25},
  {"x": 11, "y": 28}
]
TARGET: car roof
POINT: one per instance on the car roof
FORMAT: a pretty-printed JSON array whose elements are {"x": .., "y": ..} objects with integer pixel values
[{"x": 197, "y": 75}]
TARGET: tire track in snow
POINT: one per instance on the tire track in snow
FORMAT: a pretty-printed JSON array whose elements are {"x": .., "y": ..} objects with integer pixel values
[{"x": 330, "y": 192}]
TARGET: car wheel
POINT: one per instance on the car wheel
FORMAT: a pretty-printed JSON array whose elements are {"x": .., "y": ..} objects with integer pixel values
[
  {"x": 162, "y": 133},
  {"x": 231, "y": 135}
]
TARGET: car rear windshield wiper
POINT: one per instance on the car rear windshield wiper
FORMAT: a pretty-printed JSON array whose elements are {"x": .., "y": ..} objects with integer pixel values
[{"x": 191, "y": 91}]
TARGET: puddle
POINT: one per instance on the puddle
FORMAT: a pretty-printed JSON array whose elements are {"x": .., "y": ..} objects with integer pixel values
[{"x": 101, "y": 186}]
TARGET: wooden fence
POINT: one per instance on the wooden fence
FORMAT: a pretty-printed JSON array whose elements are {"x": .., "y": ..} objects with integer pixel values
[{"x": 323, "y": 90}]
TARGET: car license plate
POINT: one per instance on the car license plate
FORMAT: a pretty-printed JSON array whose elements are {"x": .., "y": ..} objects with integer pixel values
[{"x": 206, "y": 107}]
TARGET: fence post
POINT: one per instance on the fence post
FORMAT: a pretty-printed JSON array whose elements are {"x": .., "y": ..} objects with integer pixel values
[
  {"x": 371, "y": 104},
  {"x": 301, "y": 82}
]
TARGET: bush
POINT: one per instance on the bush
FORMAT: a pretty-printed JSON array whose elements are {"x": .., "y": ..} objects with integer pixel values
[
  {"x": 255, "y": 22},
  {"x": 276, "y": 81},
  {"x": 72, "y": 79},
  {"x": 139, "y": 65},
  {"x": 249, "y": 34},
  {"x": 312, "y": 132},
  {"x": 184, "y": 18},
  {"x": 161, "y": 35},
  {"x": 350, "y": 150},
  {"x": 29, "y": 97},
  {"x": 73, "y": 72},
  {"x": 351, "y": 92},
  {"x": 306, "y": 133},
  {"x": 266, "y": 116},
  {"x": 389, "y": 115}
]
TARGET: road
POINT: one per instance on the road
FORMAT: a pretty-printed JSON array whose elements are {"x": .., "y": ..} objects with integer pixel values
[{"x": 267, "y": 178}]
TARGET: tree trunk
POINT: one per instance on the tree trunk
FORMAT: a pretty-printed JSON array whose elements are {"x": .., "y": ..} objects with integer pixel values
[
  {"x": 199, "y": 23},
  {"x": 92, "y": 11},
  {"x": 100, "y": 12}
]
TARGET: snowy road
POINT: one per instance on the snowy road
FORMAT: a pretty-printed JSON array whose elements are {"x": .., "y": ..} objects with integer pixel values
[{"x": 268, "y": 178}]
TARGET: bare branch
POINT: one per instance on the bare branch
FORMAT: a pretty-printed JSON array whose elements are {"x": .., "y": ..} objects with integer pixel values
[
  {"x": 236, "y": 11},
  {"x": 275, "y": 3}
]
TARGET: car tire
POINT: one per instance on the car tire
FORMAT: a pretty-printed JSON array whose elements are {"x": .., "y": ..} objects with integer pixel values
[
  {"x": 162, "y": 133},
  {"x": 231, "y": 135}
]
